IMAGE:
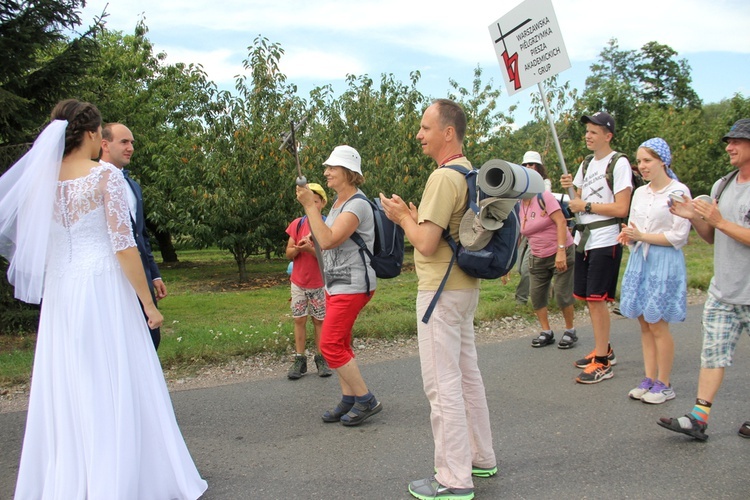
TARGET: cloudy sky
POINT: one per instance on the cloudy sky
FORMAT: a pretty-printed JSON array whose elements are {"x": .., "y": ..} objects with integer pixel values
[{"x": 324, "y": 40}]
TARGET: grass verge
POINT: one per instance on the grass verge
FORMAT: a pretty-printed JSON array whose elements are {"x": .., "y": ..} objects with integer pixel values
[{"x": 211, "y": 318}]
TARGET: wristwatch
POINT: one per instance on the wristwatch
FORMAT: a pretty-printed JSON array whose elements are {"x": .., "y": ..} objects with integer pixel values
[
  {"x": 561, "y": 247},
  {"x": 588, "y": 208}
]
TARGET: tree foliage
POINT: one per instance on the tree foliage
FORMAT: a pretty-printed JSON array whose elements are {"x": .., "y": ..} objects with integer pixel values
[
  {"x": 245, "y": 196},
  {"x": 381, "y": 122},
  {"x": 39, "y": 63},
  {"x": 165, "y": 106}
]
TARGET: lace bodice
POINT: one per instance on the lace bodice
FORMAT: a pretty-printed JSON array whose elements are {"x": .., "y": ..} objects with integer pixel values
[{"x": 91, "y": 222}]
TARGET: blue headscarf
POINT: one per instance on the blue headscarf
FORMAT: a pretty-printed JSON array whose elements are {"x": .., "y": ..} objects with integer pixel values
[{"x": 661, "y": 148}]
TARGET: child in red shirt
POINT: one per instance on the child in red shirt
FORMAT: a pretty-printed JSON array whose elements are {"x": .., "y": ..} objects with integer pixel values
[{"x": 308, "y": 293}]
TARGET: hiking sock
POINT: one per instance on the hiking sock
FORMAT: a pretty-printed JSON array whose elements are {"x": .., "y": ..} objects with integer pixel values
[
  {"x": 700, "y": 413},
  {"x": 570, "y": 330},
  {"x": 701, "y": 410},
  {"x": 347, "y": 400},
  {"x": 368, "y": 399}
]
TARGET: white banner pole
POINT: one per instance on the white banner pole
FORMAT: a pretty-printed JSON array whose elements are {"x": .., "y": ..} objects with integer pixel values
[{"x": 551, "y": 121}]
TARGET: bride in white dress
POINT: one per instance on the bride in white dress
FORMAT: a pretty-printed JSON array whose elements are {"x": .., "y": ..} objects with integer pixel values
[{"x": 100, "y": 423}]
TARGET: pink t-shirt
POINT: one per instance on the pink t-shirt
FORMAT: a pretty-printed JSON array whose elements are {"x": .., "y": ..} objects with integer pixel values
[
  {"x": 539, "y": 228},
  {"x": 305, "y": 272}
]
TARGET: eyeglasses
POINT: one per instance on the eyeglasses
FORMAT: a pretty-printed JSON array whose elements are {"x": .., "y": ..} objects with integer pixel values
[{"x": 529, "y": 165}]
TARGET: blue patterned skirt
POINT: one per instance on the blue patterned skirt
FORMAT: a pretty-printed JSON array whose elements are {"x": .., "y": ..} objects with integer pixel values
[{"x": 656, "y": 287}]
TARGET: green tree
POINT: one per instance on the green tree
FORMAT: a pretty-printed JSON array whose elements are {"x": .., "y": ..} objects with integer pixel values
[
  {"x": 484, "y": 121},
  {"x": 663, "y": 80},
  {"x": 246, "y": 193},
  {"x": 40, "y": 64},
  {"x": 381, "y": 122},
  {"x": 166, "y": 108}
]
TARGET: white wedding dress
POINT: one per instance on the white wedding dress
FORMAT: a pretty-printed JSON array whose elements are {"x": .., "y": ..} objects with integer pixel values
[{"x": 100, "y": 423}]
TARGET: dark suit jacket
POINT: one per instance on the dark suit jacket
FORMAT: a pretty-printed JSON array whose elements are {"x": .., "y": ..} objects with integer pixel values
[{"x": 144, "y": 245}]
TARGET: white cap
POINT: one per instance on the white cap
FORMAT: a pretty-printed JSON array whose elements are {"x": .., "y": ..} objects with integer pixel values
[
  {"x": 345, "y": 156},
  {"x": 532, "y": 157}
]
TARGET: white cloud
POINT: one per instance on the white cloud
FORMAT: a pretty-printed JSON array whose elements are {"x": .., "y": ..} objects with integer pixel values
[
  {"x": 220, "y": 65},
  {"x": 685, "y": 25},
  {"x": 314, "y": 64},
  {"x": 326, "y": 39}
]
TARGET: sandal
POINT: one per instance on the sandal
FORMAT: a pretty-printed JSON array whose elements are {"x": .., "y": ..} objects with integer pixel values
[
  {"x": 696, "y": 430},
  {"x": 744, "y": 430},
  {"x": 568, "y": 340},
  {"x": 338, "y": 412},
  {"x": 543, "y": 339}
]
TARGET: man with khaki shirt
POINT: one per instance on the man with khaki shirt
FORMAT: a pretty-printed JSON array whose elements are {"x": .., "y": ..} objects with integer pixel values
[{"x": 450, "y": 374}]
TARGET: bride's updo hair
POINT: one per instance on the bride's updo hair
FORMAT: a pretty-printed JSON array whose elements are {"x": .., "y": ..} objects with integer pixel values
[{"x": 81, "y": 116}]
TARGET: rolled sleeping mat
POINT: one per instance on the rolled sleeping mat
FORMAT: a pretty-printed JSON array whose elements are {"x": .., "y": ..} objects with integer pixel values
[{"x": 501, "y": 179}]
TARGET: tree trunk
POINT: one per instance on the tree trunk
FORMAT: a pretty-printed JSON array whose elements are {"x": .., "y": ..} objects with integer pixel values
[
  {"x": 164, "y": 240},
  {"x": 241, "y": 260}
]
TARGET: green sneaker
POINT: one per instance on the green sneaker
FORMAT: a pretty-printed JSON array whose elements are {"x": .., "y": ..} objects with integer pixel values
[
  {"x": 481, "y": 471},
  {"x": 298, "y": 368},
  {"x": 426, "y": 489}
]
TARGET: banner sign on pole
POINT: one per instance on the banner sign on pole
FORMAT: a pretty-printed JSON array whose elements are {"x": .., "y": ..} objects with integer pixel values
[{"x": 529, "y": 45}]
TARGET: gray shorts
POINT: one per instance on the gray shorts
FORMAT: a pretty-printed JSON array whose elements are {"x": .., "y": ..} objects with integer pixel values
[{"x": 541, "y": 272}]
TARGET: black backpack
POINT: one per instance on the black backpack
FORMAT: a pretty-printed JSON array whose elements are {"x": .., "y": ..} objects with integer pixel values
[
  {"x": 636, "y": 179},
  {"x": 564, "y": 207},
  {"x": 388, "y": 255},
  {"x": 493, "y": 261}
]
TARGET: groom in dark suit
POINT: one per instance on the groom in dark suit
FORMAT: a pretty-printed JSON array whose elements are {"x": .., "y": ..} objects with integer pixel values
[{"x": 117, "y": 148}]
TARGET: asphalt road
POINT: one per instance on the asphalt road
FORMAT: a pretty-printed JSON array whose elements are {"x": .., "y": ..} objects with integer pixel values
[{"x": 554, "y": 438}]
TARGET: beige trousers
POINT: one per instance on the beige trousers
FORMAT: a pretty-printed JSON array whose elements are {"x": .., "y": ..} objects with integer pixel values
[{"x": 453, "y": 385}]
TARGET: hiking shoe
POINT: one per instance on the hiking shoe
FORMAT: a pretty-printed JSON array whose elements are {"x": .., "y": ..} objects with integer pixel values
[
  {"x": 487, "y": 472},
  {"x": 568, "y": 339},
  {"x": 426, "y": 489},
  {"x": 583, "y": 363},
  {"x": 338, "y": 412},
  {"x": 322, "y": 366},
  {"x": 298, "y": 368},
  {"x": 645, "y": 386},
  {"x": 685, "y": 425},
  {"x": 544, "y": 339},
  {"x": 744, "y": 430},
  {"x": 361, "y": 412},
  {"x": 658, "y": 394},
  {"x": 595, "y": 373}
]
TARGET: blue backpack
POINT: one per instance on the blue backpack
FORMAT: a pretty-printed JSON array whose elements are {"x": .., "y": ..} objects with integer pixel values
[
  {"x": 388, "y": 255},
  {"x": 496, "y": 259}
]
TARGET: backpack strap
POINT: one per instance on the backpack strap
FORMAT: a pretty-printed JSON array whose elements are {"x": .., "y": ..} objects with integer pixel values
[
  {"x": 356, "y": 238},
  {"x": 609, "y": 174},
  {"x": 723, "y": 182},
  {"x": 301, "y": 222},
  {"x": 471, "y": 203}
]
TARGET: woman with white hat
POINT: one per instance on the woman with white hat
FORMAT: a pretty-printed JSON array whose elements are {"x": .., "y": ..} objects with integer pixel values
[
  {"x": 346, "y": 279},
  {"x": 551, "y": 254}
]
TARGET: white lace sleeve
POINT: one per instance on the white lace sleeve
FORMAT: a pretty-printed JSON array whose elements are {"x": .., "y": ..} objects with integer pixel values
[{"x": 117, "y": 210}]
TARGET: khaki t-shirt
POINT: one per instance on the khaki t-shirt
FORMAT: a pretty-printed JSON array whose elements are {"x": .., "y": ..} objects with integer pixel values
[{"x": 443, "y": 203}]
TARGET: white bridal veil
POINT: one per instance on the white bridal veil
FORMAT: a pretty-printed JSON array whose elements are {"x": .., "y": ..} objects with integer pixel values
[{"x": 27, "y": 196}]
